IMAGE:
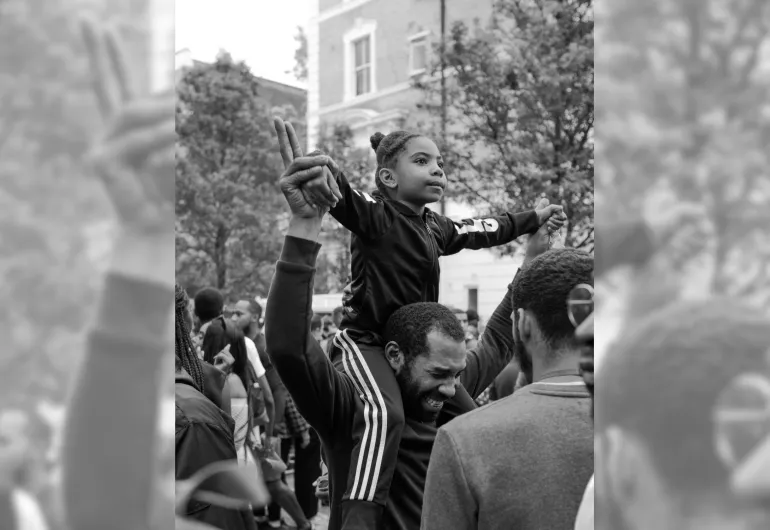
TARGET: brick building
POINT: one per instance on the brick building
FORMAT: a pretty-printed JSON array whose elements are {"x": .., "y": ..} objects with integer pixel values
[{"x": 362, "y": 56}]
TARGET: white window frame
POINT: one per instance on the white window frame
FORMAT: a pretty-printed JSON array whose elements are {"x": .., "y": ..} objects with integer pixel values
[
  {"x": 422, "y": 36},
  {"x": 360, "y": 30}
]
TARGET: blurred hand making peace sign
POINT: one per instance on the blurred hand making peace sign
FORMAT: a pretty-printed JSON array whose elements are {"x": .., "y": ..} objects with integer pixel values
[{"x": 134, "y": 156}]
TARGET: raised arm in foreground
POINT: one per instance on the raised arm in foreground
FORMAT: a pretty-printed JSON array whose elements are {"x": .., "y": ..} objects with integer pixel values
[
  {"x": 111, "y": 431},
  {"x": 495, "y": 348},
  {"x": 323, "y": 396}
]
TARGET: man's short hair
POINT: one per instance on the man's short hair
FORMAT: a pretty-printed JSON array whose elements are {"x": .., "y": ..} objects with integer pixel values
[
  {"x": 410, "y": 325},
  {"x": 316, "y": 322},
  {"x": 209, "y": 304},
  {"x": 543, "y": 286},
  {"x": 473, "y": 316},
  {"x": 663, "y": 379}
]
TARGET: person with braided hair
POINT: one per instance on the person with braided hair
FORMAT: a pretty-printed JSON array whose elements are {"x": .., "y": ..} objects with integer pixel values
[
  {"x": 209, "y": 379},
  {"x": 396, "y": 245}
]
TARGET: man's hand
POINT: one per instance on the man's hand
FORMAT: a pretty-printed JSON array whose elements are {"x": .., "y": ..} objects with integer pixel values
[
  {"x": 300, "y": 171},
  {"x": 553, "y": 214},
  {"x": 320, "y": 192},
  {"x": 134, "y": 158},
  {"x": 538, "y": 243}
]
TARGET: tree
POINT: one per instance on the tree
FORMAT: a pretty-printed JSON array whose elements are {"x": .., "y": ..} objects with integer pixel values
[
  {"x": 228, "y": 205},
  {"x": 336, "y": 140},
  {"x": 520, "y": 110},
  {"x": 55, "y": 222},
  {"x": 685, "y": 117},
  {"x": 300, "y": 55}
]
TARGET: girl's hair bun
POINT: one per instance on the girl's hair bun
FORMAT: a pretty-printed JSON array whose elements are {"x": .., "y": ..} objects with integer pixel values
[{"x": 375, "y": 140}]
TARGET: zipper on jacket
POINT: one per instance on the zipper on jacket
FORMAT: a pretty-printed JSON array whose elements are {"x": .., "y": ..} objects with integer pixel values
[{"x": 433, "y": 261}]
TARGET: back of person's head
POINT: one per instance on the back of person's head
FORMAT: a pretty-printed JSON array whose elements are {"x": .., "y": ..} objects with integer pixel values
[
  {"x": 185, "y": 355},
  {"x": 410, "y": 325},
  {"x": 660, "y": 386},
  {"x": 473, "y": 317},
  {"x": 214, "y": 339},
  {"x": 209, "y": 304},
  {"x": 387, "y": 149},
  {"x": 316, "y": 323},
  {"x": 543, "y": 286}
]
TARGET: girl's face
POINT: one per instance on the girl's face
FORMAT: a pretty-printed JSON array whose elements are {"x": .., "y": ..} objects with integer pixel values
[{"x": 419, "y": 173}]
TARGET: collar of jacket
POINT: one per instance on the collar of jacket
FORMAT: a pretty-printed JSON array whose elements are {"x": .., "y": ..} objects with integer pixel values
[{"x": 406, "y": 210}]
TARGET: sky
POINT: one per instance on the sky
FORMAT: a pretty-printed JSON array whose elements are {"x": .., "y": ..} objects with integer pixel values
[{"x": 259, "y": 32}]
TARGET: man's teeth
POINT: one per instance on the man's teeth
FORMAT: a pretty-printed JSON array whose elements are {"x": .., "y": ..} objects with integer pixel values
[{"x": 433, "y": 403}]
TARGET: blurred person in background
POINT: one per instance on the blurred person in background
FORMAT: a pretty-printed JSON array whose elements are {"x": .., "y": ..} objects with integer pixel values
[
  {"x": 19, "y": 509},
  {"x": 296, "y": 434},
  {"x": 246, "y": 314},
  {"x": 316, "y": 328},
  {"x": 658, "y": 458},
  {"x": 211, "y": 379},
  {"x": 210, "y": 309}
]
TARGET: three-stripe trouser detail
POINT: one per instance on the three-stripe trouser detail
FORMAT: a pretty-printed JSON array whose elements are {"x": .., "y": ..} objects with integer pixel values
[{"x": 369, "y": 462}]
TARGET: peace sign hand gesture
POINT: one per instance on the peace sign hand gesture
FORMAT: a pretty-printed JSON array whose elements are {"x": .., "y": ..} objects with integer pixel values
[
  {"x": 134, "y": 156},
  {"x": 308, "y": 182},
  {"x": 135, "y": 159}
]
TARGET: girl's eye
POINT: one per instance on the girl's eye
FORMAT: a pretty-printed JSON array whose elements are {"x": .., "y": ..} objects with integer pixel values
[
  {"x": 421, "y": 161},
  {"x": 441, "y": 165}
]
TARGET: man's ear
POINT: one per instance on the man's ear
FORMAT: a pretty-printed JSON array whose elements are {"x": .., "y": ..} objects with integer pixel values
[
  {"x": 395, "y": 356},
  {"x": 388, "y": 178},
  {"x": 525, "y": 325}
]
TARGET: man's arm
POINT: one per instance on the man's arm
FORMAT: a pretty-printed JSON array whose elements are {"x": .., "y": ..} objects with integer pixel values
[
  {"x": 494, "y": 350},
  {"x": 448, "y": 501},
  {"x": 475, "y": 234},
  {"x": 365, "y": 216},
  {"x": 495, "y": 347},
  {"x": 323, "y": 396}
]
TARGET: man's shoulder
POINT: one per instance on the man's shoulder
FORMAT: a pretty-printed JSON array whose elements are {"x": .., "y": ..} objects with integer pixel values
[
  {"x": 510, "y": 415},
  {"x": 192, "y": 407}
]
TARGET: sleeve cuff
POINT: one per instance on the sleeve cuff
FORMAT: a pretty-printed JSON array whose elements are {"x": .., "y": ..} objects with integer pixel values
[
  {"x": 300, "y": 251},
  {"x": 526, "y": 222}
]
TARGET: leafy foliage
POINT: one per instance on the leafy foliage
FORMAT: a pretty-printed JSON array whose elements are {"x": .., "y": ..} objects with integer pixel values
[
  {"x": 520, "y": 110},
  {"x": 229, "y": 208},
  {"x": 336, "y": 140},
  {"x": 55, "y": 224},
  {"x": 300, "y": 55},
  {"x": 685, "y": 121}
]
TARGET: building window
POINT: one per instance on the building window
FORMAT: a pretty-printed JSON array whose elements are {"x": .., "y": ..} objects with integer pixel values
[
  {"x": 473, "y": 298},
  {"x": 362, "y": 65},
  {"x": 418, "y": 54}
]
